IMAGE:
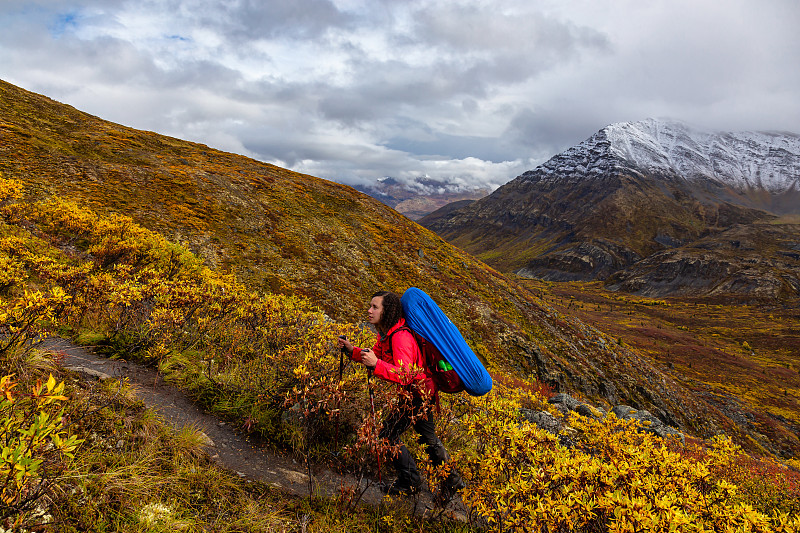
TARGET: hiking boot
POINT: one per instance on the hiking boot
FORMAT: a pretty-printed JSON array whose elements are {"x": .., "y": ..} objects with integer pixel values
[
  {"x": 448, "y": 490},
  {"x": 400, "y": 488}
]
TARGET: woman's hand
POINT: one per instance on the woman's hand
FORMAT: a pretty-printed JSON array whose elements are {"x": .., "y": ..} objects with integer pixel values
[
  {"x": 346, "y": 344},
  {"x": 368, "y": 358}
]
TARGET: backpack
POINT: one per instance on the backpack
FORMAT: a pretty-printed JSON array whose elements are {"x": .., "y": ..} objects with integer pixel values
[
  {"x": 442, "y": 344},
  {"x": 445, "y": 378}
]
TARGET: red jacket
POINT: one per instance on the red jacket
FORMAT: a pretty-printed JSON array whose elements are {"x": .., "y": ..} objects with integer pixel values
[{"x": 402, "y": 362}]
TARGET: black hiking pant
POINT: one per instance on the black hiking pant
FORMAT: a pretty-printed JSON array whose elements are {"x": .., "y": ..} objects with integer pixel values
[{"x": 397, "y": 423}]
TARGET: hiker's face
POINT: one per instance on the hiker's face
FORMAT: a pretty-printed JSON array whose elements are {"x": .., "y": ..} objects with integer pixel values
[{"x": 375, "y": 310}]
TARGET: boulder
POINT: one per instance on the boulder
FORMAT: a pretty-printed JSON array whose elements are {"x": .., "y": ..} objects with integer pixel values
[
  {"x": 623, "y": 411},
  {"x": 564, "y": 399},
  {"x": 648, "y": 422},
  {"x": 542, "y": 420},
  {"x": 590, "y": 411}
]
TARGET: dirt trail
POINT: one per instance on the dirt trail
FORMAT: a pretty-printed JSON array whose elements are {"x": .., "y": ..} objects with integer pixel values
[{"x": 226, "y": 446}]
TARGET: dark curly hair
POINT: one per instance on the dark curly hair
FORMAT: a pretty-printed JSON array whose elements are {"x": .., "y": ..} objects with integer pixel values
[{"x": 392, "y": 310}]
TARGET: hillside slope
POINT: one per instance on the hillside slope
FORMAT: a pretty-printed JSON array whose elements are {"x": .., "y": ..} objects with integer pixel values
[{"x": 285, "y": 232}]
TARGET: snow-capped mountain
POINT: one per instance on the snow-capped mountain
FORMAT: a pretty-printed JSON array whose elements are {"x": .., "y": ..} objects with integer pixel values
[
  {"x": 629, "y": 191},
  {"x": 767, "y": 161}
]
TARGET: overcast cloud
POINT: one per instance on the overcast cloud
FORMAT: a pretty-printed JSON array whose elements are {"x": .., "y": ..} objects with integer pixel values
[{"x": 473, "y": 92}]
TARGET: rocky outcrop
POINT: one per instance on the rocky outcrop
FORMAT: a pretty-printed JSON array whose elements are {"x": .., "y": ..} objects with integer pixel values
[
  {"x": 586, "y": 260},
  {"x": 758, "y": 261},
  {"x": 565, "y": 403},
  {"x": 649, "y": 422}
]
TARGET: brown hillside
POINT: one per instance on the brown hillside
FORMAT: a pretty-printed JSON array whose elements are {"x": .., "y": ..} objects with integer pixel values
[{"x": 278, "y": 230}]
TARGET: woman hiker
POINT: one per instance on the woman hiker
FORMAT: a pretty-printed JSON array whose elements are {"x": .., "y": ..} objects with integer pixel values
[{"x": 396, "y": 357}]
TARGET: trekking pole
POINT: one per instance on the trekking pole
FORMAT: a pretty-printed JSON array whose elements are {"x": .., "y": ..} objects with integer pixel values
[{"x": 374, "y": 423}]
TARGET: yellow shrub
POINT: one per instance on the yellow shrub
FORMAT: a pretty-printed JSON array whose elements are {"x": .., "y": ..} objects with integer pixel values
[
  {"x": 34, "y": 444},
  {"x": 9, "y": 189},
  {"x": 612, "y": 478},
  {"x": 250, "y": 352}
]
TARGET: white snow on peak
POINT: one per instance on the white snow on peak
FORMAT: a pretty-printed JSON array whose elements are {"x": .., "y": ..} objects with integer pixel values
[{"x": 744, "y": 160}]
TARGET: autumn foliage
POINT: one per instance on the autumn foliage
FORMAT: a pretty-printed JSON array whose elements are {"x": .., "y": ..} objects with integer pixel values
[
  {"x": 269, "y": 363},
  {"x": 611, "y": 477}
]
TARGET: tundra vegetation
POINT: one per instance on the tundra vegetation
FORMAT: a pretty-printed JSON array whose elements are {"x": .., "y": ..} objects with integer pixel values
[
  {"x": 284, "y": 233},
  {"x": 89, "y": 457},
  {"x": 741, "y": 352}
]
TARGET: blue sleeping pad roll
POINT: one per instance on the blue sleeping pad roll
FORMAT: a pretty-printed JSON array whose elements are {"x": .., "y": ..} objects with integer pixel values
[{"x": 425, "y": 317}]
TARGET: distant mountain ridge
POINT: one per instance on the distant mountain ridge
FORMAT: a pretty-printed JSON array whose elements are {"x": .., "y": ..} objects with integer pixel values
[
  {"x": 627, "y": 192},
  {"x": 421, "y": 196},
  {"x": 746, "y": 162}
]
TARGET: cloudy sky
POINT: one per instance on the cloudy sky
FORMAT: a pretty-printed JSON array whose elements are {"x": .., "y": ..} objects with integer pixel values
[{"x": 472, "y": 92}]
